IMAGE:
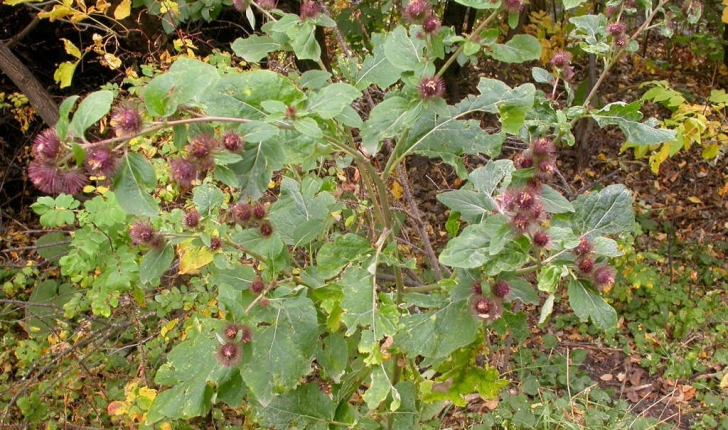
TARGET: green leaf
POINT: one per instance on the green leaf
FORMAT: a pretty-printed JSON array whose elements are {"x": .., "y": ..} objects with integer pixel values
[
  {"x": 376, "y": 69},
  {"x": 554, "y": 202},
  {"x": 471, "y": 248},
  {"x": 187, "y": 81},
  {"x": 603, "y": 212},
  {"x": 90, "y": 110},
  {"x": 306, "y": 407},
  {"x": 523, "y": 291},
  {"x": 387, "y": 119},
  {"x": 332, "y": 99},
  {"x": 361, "y": 309},
  {"x": 298, "y": 204},
  {"x": 549, "y": 277},
  {"x": 569, "y": 4},
  {"x": 207, "y": 197},
  {"x": 63, "y": 112},
  {"x": 240, "y": 95},
  {"x": 403, "y": 51},
  {"x": 52, "y": 246},
  {"x": 193, "y": 372},
  {"x": 333, "y": 356},
  {"x": 546, "y": 309},
  {"x": 479, "y": 4},
  {"x": 471, "y": 205},
  {"x": 432, "y": 334},
  {"x": 494, "y": 176},
  {"x": 627, "y": 117},
  {"x": 46, "y": 294},
  {"x": 303, "y": 41},
  {"x": 255, "y": 169},
  {"x": 334, "y": 256},
  {"x": 64, "y": 73},
  {"x": 155, "y": 263},
  {"x": 521, "y": 48},
  {"x": 588, "y": 304},
  {"x": 136, "y": 174},
  {"x": 254, "y": 48},
  {"x": 283, "y": 348}
]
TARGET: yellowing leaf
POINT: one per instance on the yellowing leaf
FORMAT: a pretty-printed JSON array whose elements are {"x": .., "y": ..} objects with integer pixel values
[
  {"x": 724, "y": 382},
  {"x": 71, "y": 49},
  {"x": 657, "y": 158},
  {"x": 397, "y": 190},
  {"x": 695, "y": 200},
  {"x": 17, "y": 2},
  {"x": 64, "y": 73},
  {"x": 116, "y": 408},
  {"x": 57, "y": 12},
  {"x": 711, "y": 151},
  {"x": 193, "y": 258},
  {"x": 123, "y": 10},
  {"x": 725, "y": 15},
  {"x": 112, "y": 60}
]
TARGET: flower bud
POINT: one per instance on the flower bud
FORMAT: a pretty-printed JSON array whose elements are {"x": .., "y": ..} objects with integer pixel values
[
  {"x": 126, "y": 119},
  {"x": 266, "y": 229},
  {"x": 229, "y": 354},
  {"x": 192, "y": 218},
  {"x": 604, "y": 276},
  {"x": 309, "y": 10},
  {"x": 241, "y": 213},
  {"x": 232, "y": 141},
  {"x": 46, "y": 144},
  {"x": 501, "y": 289},
  {"x": 561, "y": 59},
  {"x": 101, "y": 162},
  {"x": 259, "y": 211},
  {"x": 541, "y": 239},
  {"x": 432, "y": 25},
  {"x": 586, "y": 265},
  {"x": 257, "y": 286},
  {"x": 584, "y": 247},
  {"x": 429, "y": 88},
  {"x": 417, "y": 11},
  {"x": 183, "y": 172},
  {"x": 201, "y": 145}
]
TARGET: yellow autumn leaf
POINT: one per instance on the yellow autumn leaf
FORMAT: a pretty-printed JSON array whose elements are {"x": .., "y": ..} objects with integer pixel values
[
  {"x": 57, "y": 12},
  {"x": 64, "y": 73},
  {"x": 71, "y": 49},
  {"x": 193, "y": 258},
  {"x": 724, "y": 382},
  {"x": 695, "y": 200},
  {"x": 397, "y": 190},
  {"x": 711, "y": 151},
  {"x": 123, "y": 10},
  {"x": 657, "y": 158},
  {"x": 112, "y": 60},
  {"x": 725, "y": 14}
]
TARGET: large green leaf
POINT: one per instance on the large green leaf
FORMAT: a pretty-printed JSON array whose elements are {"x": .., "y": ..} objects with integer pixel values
[
  {"x": 627, "y": 117},
  {"x": 603, "y": 212},
  {"x": 283, "y": 347},
  {"x": 471, "y": 204},
  {"x": 239, "y": 95},
  {"x": 496, "y": 175},
  {"x": 254, "y": 48},
  {"x": 306, "y": 407},
  {"x": 334, "y": 256},
  {"x": 361, "y": 307},
  {"x": 404, "y": 51},
  {"x": 193, "y": 372},
  {"x": 90, "y": 110},
  {"x": 472, "y": 248},
  {"x": 437, "y": 333},
  {"x": 135, "y": 176},
  {"x": 480, "y": 4},
  {"x": 256, "y": 168},
  {"x": 332, "y": 99},
  {"x": 554, "y": 202},
  {"x": 376, "y": 69},
  {"x": 569, "y": 4},
  {"x": 207, "y": 197},
  {"x": 521, "y": 48},
  {"x": 301, "y": 204},
  {"x": 586, "y": 304},
  {"x": 187, "y": 81},
  {"x": 387, "y": 119},
  {"x": 155, "y": 263}
]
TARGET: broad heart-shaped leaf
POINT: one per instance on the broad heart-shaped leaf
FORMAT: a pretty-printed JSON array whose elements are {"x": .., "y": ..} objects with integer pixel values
[
  {"x": 404, "y": 51},
  {"x": 283, "y": 347},
  {"x": 437, "y": 333},
  {"x": 495, "y": 174},
  {"x": 495, "y": 97},
  {"x": 90, "y": 110},
  {"x": 607, "y": 211},
  {"x": 472, "y": 248},
  {"x": 254, "y": 48},
  {"x": 155, "y": 263},
  {"x": 436, "y": 136},
  {"x": 255, "y": 169},
  {"x": 587, "y": 303},
  {"x": 627, "y": 117},
  {"x": 387, "y": 119},
  {"x": 332, "y": 99},
  {"x": 302, "y": 37},
  {"x": 207, "y": 197},
  {"x": 306, "y": 407},
  {"x": 186, "y": 81},
  {"x": 361, "y": 307},
  {"x": 376, "y": 69},
  {"x": 193, "y": 371},
  {"x": 297, "y": 204},
  {"x": 471, "y": 204},
  {"x": 334, "y": 256},
  {"x": 230, "y": 283},
  {"x": 479, "y": 4},
  {"x": 239, "y": 95},
  {"x": 63, "y": 112},
  {"x": 135, "y": 175},
  {"x": 569, "y": 4},
  {"x": 522, "y": 48},
  {"x": 554, "y": 202}
]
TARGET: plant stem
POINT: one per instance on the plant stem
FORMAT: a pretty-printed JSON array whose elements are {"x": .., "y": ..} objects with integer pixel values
[{"x": 473, "y": 35}]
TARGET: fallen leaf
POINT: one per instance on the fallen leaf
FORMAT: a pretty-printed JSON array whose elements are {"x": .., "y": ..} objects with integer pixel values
[
  {"x": 695, "y": 200},
  {"x": 724, "y": 382},
  {"x": 606, "y": 377}
]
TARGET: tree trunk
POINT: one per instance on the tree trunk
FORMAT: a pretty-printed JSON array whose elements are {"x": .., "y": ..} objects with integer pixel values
[{"x": 38, "y": 96}]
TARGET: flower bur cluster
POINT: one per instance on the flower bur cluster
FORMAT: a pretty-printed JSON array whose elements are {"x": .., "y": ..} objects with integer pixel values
[
  {"x": 513, "y": 6},
  {"x": 199, "y": 159},
  {"x": 233, "y": 336},
  {"x": 618, "y": 32},
  {"x": 421, "y": 12},
  {"x": 489, "y": 307},
  {"x": 247, "y": 215},
  {"x": 142, "y": 233},
  {"x": 561, "y": 60},
  {"x": 602, "y": 276}
]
